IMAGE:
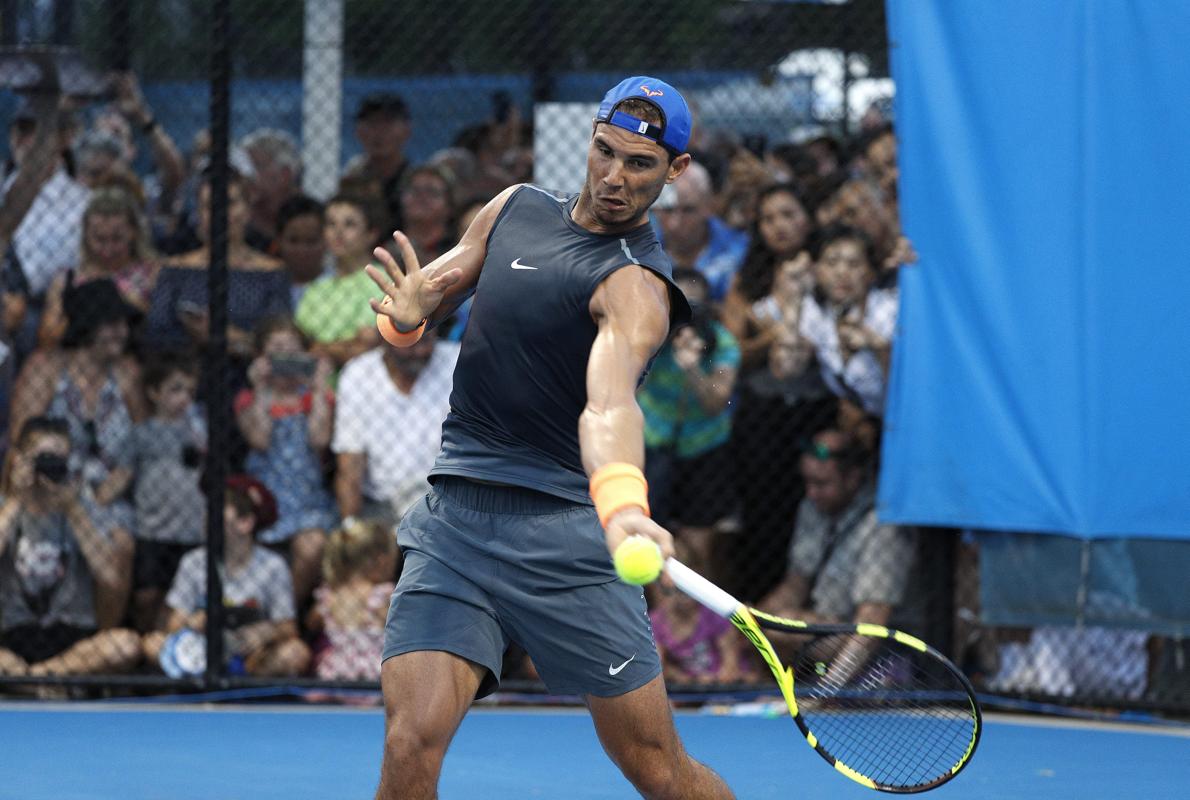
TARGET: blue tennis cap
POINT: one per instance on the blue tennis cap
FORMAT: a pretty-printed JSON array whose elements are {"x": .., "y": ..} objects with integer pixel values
[{"x": 674, "y": 131}]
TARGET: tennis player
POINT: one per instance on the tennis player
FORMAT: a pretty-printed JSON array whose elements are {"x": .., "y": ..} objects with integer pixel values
[{"x": 539, "y": 476}]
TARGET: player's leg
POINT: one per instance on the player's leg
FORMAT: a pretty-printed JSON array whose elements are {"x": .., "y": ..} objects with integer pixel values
[
  {"x": 426, "y": 695},
  {"x": 637, "y": 732},
  {"x": 443, "y": 647}
]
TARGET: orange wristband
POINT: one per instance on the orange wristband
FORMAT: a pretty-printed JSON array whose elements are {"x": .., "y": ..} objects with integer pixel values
[
  {"x": 617, "y": 486},
  {"x": 395, "y": 337}
]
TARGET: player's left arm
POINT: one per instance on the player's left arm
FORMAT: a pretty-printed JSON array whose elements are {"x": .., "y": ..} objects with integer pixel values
[{"x": 631, "y": 310}]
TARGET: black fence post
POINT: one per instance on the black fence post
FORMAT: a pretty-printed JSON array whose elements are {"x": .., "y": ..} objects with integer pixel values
[
  {"x": 119, "y": 34},
  {"x": 216, "y": 353}
]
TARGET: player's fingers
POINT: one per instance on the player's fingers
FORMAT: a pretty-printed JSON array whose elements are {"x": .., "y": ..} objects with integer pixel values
[
  {"x": 446, "y": 280},
  {"x": 658, "y": 534},
  {"x": 391, "y": 277},
  {"x": 408, "y": 254},
  {"x": 387, "y": 285}
]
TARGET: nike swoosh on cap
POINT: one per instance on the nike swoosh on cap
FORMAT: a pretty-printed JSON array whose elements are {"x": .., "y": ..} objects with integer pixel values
[{"x": 516, "y": 264}]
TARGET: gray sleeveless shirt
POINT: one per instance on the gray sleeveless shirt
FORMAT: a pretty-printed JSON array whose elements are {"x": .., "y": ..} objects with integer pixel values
[{"x": 520, "y": 381}]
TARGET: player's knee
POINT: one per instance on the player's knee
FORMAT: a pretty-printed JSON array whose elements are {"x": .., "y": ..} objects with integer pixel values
[
  {"x": 653, "y": 771},
  {"x": 415, "y": 745}
]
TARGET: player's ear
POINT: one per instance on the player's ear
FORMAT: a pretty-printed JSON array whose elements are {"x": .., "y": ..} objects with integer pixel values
[{"x": 677, "y": 167}]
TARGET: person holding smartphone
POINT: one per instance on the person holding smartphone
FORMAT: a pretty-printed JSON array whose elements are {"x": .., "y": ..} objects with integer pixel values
[
  {"x": 64, "y": 575},
  {"x": 286, "y": 417}
]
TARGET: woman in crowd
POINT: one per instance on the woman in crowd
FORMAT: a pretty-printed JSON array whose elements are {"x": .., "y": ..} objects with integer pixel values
[
  {"x": 257, "y": 286},
  {"x": 92, "y": 384},
  {"x": 427, "y": 211},
  {"x": 766, "y": 294},
  {"x": 115, "y": 245},
  {"x": 300, "y": 244}
]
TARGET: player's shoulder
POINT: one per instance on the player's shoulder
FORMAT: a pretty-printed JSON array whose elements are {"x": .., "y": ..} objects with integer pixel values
[{"x": 542, "y": 192}]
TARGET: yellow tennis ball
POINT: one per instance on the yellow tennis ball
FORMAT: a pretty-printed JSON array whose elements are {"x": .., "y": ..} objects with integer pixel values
[{"x": 638, "y": 560}]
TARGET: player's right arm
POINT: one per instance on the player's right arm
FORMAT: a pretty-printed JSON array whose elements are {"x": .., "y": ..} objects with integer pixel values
[
  {"x": 433, "y": 292},
  {"x": 631, "y": 310}
]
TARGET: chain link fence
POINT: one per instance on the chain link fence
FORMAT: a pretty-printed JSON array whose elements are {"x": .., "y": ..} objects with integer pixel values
[{"x": 190, "y": 366}]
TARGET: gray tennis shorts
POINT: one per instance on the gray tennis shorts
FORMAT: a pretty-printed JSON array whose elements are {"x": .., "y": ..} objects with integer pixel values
[{"x": 486, "y": 565}]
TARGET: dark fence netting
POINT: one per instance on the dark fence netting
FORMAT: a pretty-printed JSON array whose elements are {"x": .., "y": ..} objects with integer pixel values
[{"x": 207, "y": 445}]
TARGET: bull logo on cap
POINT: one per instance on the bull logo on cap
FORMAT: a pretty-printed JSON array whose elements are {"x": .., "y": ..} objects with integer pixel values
[{"x": 651, "y": 92}]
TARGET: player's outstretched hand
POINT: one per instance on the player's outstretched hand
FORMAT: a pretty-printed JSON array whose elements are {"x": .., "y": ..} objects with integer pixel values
[
  {"x": 414, "y": 292},
  {"x": 634, "y": 522}
]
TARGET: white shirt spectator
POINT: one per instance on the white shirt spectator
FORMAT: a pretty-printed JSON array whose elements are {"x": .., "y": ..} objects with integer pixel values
[
  {"x": 399, "y": 434},
  {"x": 862, "y": 376},
  {"x": 263, "y": 586},
  {"x": 49, "y": 238}
]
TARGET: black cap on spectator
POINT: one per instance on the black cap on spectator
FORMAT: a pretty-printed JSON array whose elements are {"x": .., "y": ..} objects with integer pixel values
[
  {"x": 89, "y": 305},
  {"x": 382, "y": 104}
]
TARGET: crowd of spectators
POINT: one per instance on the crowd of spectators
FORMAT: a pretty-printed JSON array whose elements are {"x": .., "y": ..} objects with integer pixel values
[{"x": 762, "y": 416}]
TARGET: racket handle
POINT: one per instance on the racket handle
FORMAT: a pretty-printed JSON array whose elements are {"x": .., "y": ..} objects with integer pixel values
[{"x": 702, "y": 590}]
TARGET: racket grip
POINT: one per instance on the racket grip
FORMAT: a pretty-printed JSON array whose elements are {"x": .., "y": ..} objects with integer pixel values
[{"x": 702, "y": 590}]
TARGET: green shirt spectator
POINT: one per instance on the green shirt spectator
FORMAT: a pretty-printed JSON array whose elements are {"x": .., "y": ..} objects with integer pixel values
[
  {"x": 334, "y": 312},
  {"x": 336, "y": 307},
  {"x": 674, "y": 417}
]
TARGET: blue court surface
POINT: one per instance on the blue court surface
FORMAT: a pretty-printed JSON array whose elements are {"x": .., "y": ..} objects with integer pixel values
[{"x": 126, "y": 752}]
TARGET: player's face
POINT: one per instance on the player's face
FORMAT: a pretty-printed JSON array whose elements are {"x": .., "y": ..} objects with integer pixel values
[{"x": 625, "y": 174}]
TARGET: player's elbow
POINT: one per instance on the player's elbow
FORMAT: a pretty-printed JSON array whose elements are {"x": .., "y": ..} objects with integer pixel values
[
  {"x": 613, "y": 418},
  {"x": 611, "y": 432}
]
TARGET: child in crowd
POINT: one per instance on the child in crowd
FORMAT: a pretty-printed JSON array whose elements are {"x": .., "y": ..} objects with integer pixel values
[
  {"x": 334, "y": 310},
  {"x": 286, "y": 419},
  {"x": 257, "y": 591},
  {"x": 848, "y": 318},
  {"x": 168, "y": 451},
  {"x": 349, "y": 611},
  {"x": 697, "y": 646}
]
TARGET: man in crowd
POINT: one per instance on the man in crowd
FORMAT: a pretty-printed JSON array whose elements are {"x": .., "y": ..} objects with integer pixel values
[
  {"x": 694, "y": 237},
  {"x": 388, "y": 422},
  {"x": 276, "y": 177},
  {"x": 64, "y": 578},
  {"x": 844, "y": 566},
  {"x": 382, "y": 127}
]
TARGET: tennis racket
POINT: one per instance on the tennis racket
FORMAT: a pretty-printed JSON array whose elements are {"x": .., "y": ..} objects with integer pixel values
[{"x": 882, "y": 707}]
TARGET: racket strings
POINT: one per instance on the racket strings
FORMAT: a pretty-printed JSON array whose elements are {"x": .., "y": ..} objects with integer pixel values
[{"x": 891, "y": 713}]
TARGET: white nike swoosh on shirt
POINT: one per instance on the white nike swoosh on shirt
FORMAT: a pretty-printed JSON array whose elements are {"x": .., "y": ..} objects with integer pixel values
[
  {"x": 516, "y": 264},
  {"x": 616, "y": 670}
]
